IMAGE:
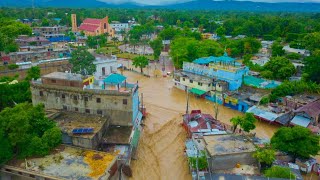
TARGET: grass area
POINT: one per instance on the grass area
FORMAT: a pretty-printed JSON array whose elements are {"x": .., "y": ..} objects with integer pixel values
[
  {"x": 131, "y": 56},
  {"x": 108, "y": 50}
]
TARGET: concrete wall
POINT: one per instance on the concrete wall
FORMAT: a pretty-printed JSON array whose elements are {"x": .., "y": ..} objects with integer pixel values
[
  {"x": 205, "y": 87},
  {"x": 112, "y": 102},
  {"x": 90, "y": 143},
  {"x": 224, "y": 162},
  {"x": 234, "y": 78}
]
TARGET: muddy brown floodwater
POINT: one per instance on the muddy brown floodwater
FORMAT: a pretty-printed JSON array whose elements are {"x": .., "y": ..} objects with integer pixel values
[
  {"x": 160, "y": 153},
  {"x": 161, "y": 147}
]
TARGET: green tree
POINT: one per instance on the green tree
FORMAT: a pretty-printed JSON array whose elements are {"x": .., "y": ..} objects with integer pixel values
[
  {"x": 52, "y": 137},
  {"x": 279, "y": 172},
  {"x": 296, "y": 141},
  {"x": 5, "y": 148},
  {"x": 157, "y": 46},
  {"x": 28, "y": 131},
  {"x": 266, "y": 156},
  {"x": 45, "y": 22},
  {"x": 141, "y": 62},
  {"x": 281, "y": 67},
  {"x": 33, "y": 73},
  {"x": 114, "y": 40},
  {"x": 81, "y": 59},
  {"x": 311, "y": 68},
  {"x": 221, "y": 31},
  {"x": 267, "y": 74},
  {"x": 246, "y": 122},
  {"x": 312, "y": 41},
  {"x": 277, "y": 49}
]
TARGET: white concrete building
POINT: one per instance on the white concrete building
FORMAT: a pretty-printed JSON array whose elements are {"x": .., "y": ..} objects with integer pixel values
[
  {"x": 303, "y": 52},
  {"x": 105, "y": 65}
]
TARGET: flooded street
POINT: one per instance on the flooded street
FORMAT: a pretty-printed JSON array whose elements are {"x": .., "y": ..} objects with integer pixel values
[{"x": 161, "y": 147}]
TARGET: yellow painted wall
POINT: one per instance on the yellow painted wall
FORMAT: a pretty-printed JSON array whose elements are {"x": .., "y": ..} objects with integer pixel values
[{"x": 195, "y": 84}]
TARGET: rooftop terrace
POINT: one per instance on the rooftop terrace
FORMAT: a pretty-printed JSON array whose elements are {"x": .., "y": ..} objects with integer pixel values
[
  {"x": 72, "y": 120},
  {"x": 228, "y": 144},
  {"x": 118, "y": 135},
  {"x": 68, "y": 162}
]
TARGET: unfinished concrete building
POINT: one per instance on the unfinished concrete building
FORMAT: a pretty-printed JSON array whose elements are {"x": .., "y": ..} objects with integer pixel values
[{"x": 72, "y": 92}]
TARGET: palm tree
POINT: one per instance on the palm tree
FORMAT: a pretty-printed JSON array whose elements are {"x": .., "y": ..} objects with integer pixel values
[
  {"x": 114, "y": 39},
  {"x": 123, "y": 34}
]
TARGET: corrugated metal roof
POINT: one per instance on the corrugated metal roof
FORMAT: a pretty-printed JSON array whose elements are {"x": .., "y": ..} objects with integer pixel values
[
  {"x": 262, "y": 113},
  {"x": 312, "y": 109},
  {"x": 301, "y": 121}
]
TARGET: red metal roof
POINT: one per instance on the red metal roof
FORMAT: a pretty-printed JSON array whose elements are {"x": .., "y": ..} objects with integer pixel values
[
  {"x": 87, "y": 27},
  {"x": 92, "y": 21},
  {"x": 201, "y": 122},
  {"x": 5, "y": 58},
  {"x": 312, "y": 109}
]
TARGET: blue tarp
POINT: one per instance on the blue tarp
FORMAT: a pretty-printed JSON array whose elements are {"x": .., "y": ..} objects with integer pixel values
[
  {"x": 114, "y": 79},
  {"x": 301, "y": 121}
]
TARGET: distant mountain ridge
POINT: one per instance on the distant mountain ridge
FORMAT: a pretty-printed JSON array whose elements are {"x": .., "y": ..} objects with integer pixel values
[{"x": 193, "y": 5}]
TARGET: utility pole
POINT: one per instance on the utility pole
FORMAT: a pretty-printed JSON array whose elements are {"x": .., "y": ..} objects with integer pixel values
[{"x": 187, "y": 109}]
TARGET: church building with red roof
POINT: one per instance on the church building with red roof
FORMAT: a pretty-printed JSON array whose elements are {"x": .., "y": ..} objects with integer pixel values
[{"x": 94, "y": 27}]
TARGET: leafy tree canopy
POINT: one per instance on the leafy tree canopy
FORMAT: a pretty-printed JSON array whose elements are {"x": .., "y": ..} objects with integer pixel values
[
  {"x": 281, "y": 67},
  {"x": 27, "y": 132},
  {"x": 141, "y": 62},
  {"x": 157, "y": 46},
  {"x": 246, "y": 122},
  {"x": 297, "y": 141},
  {"x": 312, "y": 64},
  {"x": 81, "y": 61},
  {"x": 265, "y": 155},
  {"x": 279, "y": 172}
]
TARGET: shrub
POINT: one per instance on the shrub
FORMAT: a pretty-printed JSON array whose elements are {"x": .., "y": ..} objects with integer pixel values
[{"x": 12, "y": 66}]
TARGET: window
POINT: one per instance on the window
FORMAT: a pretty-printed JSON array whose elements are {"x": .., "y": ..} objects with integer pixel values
[
  {"x": 76, "y": 109},
  {"x": 199, "y": 83},
  {"x": 125, "y": 101},
  {"x": 86, "y": 99},
  {"x": 208, "y": 85},
  {"x": 98, "y": 100},
  {"x": 41, "y": 93},
  {"x": 53, "y": 81},
  {"x": 191, "y": 81},
  {"x": 63, "y": 96},
  {"x": 99, "y": 111},
  {"x": 75, "y": 97},
  {"x": 183, "y": 79},
  {"x": 64, "y": 108},
  {"x": 88, "y": 111},
  {"x": 105, "y": 25}
]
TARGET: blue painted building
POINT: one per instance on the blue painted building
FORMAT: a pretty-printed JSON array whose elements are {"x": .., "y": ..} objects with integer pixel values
[{"x": 222, "y": 68}]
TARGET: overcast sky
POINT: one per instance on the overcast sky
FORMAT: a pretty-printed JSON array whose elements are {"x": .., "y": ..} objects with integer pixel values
[{"x": 160, "y": 2}]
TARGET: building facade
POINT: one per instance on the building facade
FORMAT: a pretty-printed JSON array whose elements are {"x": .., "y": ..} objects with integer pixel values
[
  {"x": 65, "y": 91},
  {"x": 105, "y": 65},
  {"x": 94, "y": 27},
  {"x": 42, "y": 31}
]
